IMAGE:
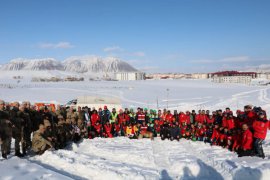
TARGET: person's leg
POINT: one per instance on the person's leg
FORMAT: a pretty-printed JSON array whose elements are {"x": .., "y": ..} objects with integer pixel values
[
  {"x": 43, "y": 148},
  {"x": 258, "y": 148},
  {"x": 4, "y": 148},
  {"x": 17, "y": 146}
]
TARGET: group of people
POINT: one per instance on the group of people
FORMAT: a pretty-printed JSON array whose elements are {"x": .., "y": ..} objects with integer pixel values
[{"x": 39, "y": 129}]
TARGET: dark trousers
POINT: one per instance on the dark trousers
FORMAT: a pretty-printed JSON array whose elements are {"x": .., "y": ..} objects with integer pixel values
[
  {"x": 258, "y": 147},
  {"x": 243, "y": 153}
]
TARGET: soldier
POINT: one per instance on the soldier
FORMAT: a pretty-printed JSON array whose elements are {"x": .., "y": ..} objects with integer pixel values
[
  {"x": 82, "y": 127},
  {"x": 5, "y": 130},
  {"x": 81, "y": 114},
  {"x": 50, "y": 134},
  {"x": 27, "y": 124},
  {"x": 61, "y": 133},
  {"x": 17, "y": 127},
  {"x": 68, "y": 129},
  {"x": 39, "y": 143},
  {"x": 71, "y": 114},
  {"x": 24, "y": 124}
]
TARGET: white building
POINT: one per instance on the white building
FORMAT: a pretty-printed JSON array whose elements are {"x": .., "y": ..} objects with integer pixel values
[
  {"x": 200, "y": 76},
  {"x": 130, "y": 76},
  {"x": 232, "y": 79},
  {"x": 263, "y": 76}
]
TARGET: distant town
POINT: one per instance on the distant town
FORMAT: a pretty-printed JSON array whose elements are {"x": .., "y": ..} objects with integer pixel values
[{"x": 217, "y": 77}]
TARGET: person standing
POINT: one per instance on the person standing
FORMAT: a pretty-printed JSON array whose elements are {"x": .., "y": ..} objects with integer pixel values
[
  {"x": 247, "y": 142},
  {"x": 260, "y": 126},
  {"x": 105, "y": 115},
  {"x": 17, "y": 128},
  {"x": 5, "y": 130}
]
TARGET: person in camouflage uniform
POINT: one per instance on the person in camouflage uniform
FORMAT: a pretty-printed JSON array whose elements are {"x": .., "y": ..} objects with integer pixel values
[
  {"x": 16, "y": 116},
  {"x": 5, "y": 130},
  {"x": 39, "y": 143},
  {"x": 82, "y": 127},
  {"x": 61, "y": 132},
  {"x": 50, "y": 133},
  {"x": 71, "y": 114}
]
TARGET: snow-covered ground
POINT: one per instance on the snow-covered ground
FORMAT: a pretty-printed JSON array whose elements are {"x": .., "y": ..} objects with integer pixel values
[
  {"x": 121, "y": 158},
  {"x": 181, "y": 94}
]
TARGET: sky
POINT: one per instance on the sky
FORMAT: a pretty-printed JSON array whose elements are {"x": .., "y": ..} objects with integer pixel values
[{"x": 152, "y": 35}]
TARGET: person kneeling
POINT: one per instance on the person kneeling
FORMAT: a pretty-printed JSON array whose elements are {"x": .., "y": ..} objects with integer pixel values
[
  {"x": 144, "y": 132},
  {"x": 39, "y": 143},
  {"x": 175, "y": 131}
]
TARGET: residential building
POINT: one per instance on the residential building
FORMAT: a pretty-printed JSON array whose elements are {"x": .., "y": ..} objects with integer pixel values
[
  {"x": 130, "y": 76},
  {"x": 233, "y": 77}
]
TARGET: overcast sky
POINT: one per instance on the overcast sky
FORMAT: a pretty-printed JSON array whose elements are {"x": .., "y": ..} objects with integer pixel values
[{"x": 153, "y": 35}]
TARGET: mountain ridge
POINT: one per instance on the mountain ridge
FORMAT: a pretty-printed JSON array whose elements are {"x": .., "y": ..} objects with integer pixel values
[{"x": 78, "y": 64}]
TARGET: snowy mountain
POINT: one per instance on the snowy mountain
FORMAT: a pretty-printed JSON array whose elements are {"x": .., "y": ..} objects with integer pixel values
[
  {"x": 80, "y": 64},
  {"x": 115, "y": 65},
  {"x": 96, "y": 64},
  {"x": 32, "y": 64},
  {"x": 84, "y": 64}
]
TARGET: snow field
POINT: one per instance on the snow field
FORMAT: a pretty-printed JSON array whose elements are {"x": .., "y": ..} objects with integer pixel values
[{"x": 121, "y": 158}]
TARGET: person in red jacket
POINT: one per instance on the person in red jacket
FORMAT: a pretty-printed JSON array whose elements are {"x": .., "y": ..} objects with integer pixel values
[
  {"x": 210, "y": 120},
  {"x": 249, "y": 116},
  {"x": 169, "y": 117},
  {"x": 201, "y": 117},
  {"x": 247, "y": 142},
  {"x": 94, "y": 117},
  {"x": 98, "y": 129},
  {"x": 215, "y": 135},
  {"x": 108, "y": 130},
  {"x": 260, "y": 126},
  {"x": 121, "y": 117},
  {"x": 237, "y": 139},
  {"x": 200, "y": 132},
  {"x": 230, "y": 121}
]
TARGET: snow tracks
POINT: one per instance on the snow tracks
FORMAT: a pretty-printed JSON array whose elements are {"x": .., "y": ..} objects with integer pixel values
[{"x": 122, "y": 158}]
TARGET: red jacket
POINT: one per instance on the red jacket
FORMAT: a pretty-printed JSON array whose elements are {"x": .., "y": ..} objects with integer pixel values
[
  {"x": 183, "y": 131},
  {"x": 230, "y": 123},
  {"x": 182, "y": 118},
  {"x": 169, "y": 118},
  {"x": 94, "y": 118},
  {"x": 157, "y": 127},
  {"x": 201, "y": 118},
  {"x": 210, "y": 121},
  {"x": 143, "y": 129},
  {"x": 98, "y": 127},
  {"x": 247, "y": 140},
  {"x": 250, "y": 117},
  {"x": 117, "y": 128},
  {"x": 200, "y": 132},
  {"x": 237, "y": 140},
  {"x": 121, "y": 118},
  {"x": 108, "y": 128},
  {"x": 260, "y": 128},
  {"x": 215, "y": 134}
]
